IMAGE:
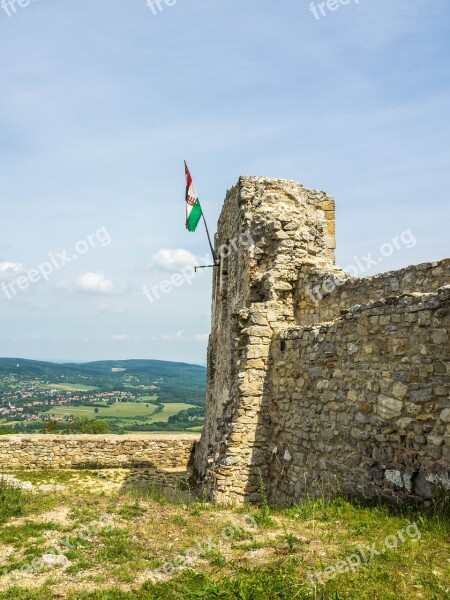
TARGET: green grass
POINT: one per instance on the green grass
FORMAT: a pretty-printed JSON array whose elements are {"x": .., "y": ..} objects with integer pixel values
[
  {"x": 19, "y": 535},
  {"x": 271, "y": 561},
  {"x": 12, "y": 502},
  {"x": 279, "y": 581},
  {"x": 116, "y": 547},
  {"x": 131, "y": 511}
]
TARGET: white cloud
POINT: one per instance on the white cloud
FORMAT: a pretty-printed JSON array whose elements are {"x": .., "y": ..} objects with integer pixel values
[
  {"x": 10, "y": 270},
  {"x": 121, "y": 337},
  {"x": 173, "y": 260},
  {"x": 95, "y": 283},
  {"x": 201, "y": 337},
  {"x": 179, "y": 335}
]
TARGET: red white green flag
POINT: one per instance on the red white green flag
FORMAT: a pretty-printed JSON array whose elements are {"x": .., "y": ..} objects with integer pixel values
[{"x": 193, "y": 208}]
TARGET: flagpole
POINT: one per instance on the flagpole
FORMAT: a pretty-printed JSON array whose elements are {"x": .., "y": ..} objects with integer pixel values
[{"x": 214, "y": 255}]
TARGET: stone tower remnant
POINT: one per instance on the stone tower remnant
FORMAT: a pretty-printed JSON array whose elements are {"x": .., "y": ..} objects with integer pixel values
[{"x": 319, "y": 382}]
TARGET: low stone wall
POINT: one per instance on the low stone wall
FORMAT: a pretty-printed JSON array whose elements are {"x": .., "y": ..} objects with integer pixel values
[
  {"x": 324, "y": 293},
  {"x": 158, "y": 452},
  {"x": 361, "y": 404}
]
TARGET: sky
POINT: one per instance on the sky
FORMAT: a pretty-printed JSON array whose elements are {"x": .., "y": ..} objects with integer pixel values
[{"x": 102, "y": 101}]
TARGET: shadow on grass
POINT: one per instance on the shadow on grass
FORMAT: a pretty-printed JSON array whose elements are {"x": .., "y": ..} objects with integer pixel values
[{"x": 144, "y": 479}]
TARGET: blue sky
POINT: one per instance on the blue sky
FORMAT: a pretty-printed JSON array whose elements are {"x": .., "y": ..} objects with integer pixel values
[{"x": 101, "y": 102}]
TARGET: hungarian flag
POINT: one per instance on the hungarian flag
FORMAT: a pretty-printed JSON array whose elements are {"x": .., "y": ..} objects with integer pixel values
[{"x": 193, "y": 208}]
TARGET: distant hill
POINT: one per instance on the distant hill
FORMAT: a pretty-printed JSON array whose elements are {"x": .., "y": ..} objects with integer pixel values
[
  {"x": 28, "y": 368},
  {"x": 151, "y": 368},
  {"x": 176, "y": 381}
]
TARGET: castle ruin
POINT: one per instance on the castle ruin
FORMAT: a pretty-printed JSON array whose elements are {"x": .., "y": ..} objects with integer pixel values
[{"x": 345, "y": 389}]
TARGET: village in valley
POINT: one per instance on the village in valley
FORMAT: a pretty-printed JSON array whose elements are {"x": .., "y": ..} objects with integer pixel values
[
  {"x": 37, "y": 397},
  {"x": 29, "y": 399}
]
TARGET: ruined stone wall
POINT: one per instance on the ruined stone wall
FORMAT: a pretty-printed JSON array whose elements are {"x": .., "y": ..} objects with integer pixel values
[
  {"x": 252, "y": 297},
  {"x": 356, "y": 400},
  {"x": 361, "y": 404},
  {"x": 160, "y": 452},
  {"x": 324, "y": 293}
]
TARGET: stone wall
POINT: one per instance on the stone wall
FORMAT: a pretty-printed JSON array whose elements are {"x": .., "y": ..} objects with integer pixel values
[
  {"x": 159, "y": 452},
  {"x": 381, "y": 391},
  {"x": 361, "y": 404},
  {"x": 324, "y": 293},
  {"x": 252, "y": 296}
]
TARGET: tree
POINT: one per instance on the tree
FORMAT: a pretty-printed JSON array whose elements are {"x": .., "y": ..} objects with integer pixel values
[
  {"x": 85, "y": 425},
  {"x": 50, "y": 427}
]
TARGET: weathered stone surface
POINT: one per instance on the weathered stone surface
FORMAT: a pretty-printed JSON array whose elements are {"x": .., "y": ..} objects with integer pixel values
[
  {"x": 68, "y": 451},
  {"x": 445, "y": 415},
  {"x": 439, "y": 336},
  {"x": 388, "y": 408},
  {"x": 320, "y": 381},
  {"x": 399, "y": 390}
]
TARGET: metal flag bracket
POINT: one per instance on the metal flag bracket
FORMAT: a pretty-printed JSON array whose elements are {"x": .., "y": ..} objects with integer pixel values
[{"x": 216, "y": 264}]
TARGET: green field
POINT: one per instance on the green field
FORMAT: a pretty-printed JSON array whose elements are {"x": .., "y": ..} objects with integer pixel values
[
  {"x": 127, "y": 411},
  {"x": 169, "y": 410},
  {"x": 129, "y": 416},
  {"x": 67, "y": 387},
  {"x": 6, "y": 423},
  {"x": 118, "y": 410}
]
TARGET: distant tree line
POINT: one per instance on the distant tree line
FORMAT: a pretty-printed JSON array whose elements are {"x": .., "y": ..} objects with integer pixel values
[{"x": 77, "y": 425}]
